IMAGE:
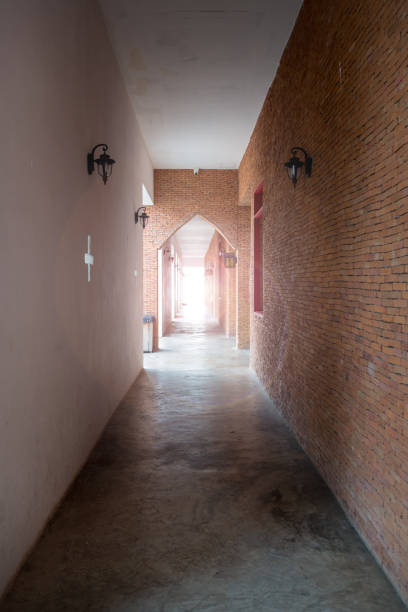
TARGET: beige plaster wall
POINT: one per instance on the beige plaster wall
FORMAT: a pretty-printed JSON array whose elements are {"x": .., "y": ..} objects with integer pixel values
[{"x": 69, "y": 349}]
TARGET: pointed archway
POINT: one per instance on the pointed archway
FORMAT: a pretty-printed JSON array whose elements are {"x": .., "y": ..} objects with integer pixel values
[
  {"x": 205, "y": 218},
  {"x": 213, "y": 196},
  {"x": 193, "y": 280}
]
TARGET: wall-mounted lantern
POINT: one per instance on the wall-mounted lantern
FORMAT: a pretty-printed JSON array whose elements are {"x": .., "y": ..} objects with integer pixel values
[
  {"x": 230, "y": 260},
  {"x": 104, "y": 162},
  {"x": 295, "y": 165},
  {"x": 143, "y": 216}
]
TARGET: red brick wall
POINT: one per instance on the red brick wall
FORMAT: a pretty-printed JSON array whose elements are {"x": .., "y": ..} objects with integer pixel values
[
  {"x": 243, "y": 299},
  {"x": 221, "y": 285},
  {"x": 180, "y": 195},
  {"x": 331, "y": 348},
  {"x": 231, "y": 282}
]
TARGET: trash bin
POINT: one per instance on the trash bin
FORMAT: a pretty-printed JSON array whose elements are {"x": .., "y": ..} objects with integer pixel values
[{"x": 148, "y": 333}]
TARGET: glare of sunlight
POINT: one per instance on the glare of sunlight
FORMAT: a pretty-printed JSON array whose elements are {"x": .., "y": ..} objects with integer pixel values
[{"x": 193, "y": 293}]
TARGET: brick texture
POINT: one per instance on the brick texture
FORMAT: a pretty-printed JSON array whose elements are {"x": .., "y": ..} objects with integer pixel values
[
  {"x": 221, "y": 285},
  {"x": 331, "y": 347},
  {"x": 179, "y": 196},
  {"x": 243, "y": 272}
]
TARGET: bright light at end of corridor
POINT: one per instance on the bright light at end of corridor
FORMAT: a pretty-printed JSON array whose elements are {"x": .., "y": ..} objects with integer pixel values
[{"x": 193, "y": 293}]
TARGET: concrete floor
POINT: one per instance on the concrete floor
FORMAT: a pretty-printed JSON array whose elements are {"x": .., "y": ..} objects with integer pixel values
[{"x": 198, "y": 498}]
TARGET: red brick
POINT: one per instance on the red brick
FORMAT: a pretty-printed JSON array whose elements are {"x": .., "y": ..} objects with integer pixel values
[
  {"x": 328, "y": 348},
  {"x": 212, "y": 194}
]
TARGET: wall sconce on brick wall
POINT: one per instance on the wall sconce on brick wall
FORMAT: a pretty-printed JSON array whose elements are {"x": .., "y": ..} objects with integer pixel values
[{"x": 295, "y": 165}]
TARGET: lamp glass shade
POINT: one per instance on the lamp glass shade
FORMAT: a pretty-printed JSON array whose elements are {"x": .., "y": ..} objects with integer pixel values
[
  {"x": 294, "y": 168},
  {"x": 144, "y": 218}
]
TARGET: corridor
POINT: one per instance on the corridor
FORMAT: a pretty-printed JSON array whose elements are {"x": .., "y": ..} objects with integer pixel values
[{"x": 197, "y": 497}]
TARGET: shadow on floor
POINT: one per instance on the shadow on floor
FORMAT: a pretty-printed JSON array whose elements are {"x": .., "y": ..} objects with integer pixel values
[{"x": 197, "y": 497}]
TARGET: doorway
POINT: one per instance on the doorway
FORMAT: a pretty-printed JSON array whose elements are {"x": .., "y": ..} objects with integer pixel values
[{"x": 195, "y": 282}]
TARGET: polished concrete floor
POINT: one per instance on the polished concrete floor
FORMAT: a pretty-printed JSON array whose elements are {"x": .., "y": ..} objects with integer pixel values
[{"x": 198, "y": 498}]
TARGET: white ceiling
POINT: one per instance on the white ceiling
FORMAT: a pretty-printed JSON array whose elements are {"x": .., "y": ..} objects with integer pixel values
[
  {"x": 193, "y": 240},
  {"x": 198, "y": 72}
]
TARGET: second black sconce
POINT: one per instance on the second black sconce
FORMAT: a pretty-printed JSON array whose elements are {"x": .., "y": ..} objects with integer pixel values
[
  {"x": 143, "y": 216},
  {"x": 295, "y": 165},
  {"x": 104, "y": 162}
]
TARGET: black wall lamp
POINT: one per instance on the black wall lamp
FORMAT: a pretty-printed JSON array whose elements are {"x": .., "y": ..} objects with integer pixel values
[
  {"x": 295, "y": 165},
  {"x": 104, "y": 162},
  {"x": 143, "y": 216}
]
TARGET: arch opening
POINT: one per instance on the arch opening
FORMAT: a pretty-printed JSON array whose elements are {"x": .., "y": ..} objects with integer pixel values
[
  {"x": 204, "y": 218},
  {"x": 194, "y": 284}
]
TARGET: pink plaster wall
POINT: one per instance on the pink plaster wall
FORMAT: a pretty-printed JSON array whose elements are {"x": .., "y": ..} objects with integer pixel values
[
  {"x": 171, "y": 256},
  {"x": 69, "y": 349}
]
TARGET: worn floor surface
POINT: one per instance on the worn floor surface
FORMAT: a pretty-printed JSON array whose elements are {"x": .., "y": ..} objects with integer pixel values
[{"x": 198, "y": 498}]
